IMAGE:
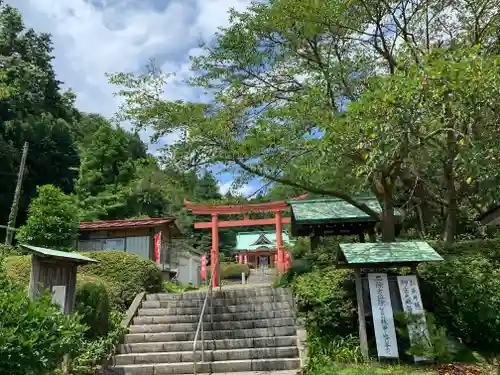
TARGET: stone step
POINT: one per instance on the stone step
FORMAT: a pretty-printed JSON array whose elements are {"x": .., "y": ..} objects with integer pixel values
[
  {"x": 210, "y": 355},
  {"x": 216, "y": 302},
  {"x": 209, "y": 368},
  {"x": 225, "y": 293},
  {"x": 243, "y": 308},
  {"x": 180, "y": 346},
  {"x": 216, "y": 326},
  {"x": 227, "y": 317},
  {"x": 211, "y": 335}
]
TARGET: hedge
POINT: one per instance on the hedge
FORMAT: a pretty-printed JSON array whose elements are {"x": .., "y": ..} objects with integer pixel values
[
  {"x": 92, "y": 303},
  {"x": 124, "y": 274},
  {"x": 489, "y": 248},
  {"x": 462, "y": 292},
  {"x": 231, "y": 271}
]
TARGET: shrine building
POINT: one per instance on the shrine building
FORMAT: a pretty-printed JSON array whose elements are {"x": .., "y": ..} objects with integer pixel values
[{"x": 258, "y": 248}]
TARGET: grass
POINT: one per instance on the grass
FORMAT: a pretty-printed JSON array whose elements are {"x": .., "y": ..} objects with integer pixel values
[{"x": 368, "y": 369}]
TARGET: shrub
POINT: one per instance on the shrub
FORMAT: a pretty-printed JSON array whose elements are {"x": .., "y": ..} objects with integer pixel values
[
  {"x": 34, "y": 335},
  {"x": 18, "y": 268},
  {"x": 326, "y": 351},
  {"x": 173, "y": 287},
  {"x": 92, "y": 302},
  {"x": 299, "y": 267},
  {"x": 489, "y": 249},
  {"x": 326, "y": 297},
  {"x": 231, "y": 271},
  {"x": 464, "y": 295},
  {"x": 52, "y": 220},
  {"x": 7, "y": 250},
  {"x": 93, "y": 352},
  {"x": 125, "y": 274}
]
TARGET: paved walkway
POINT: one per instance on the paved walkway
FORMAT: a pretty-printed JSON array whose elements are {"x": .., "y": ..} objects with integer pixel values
[{"x": 259, "y": 278}]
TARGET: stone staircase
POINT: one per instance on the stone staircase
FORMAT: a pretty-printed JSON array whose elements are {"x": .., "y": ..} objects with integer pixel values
[
  {"x": 262, "y": 276},
  {"x": 254, "y": 329}
]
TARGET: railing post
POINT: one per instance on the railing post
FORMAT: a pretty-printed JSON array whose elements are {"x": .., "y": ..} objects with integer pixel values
[
  {"x": 202, "y": 340},
  {"x": 218, "y": 274},
  {"x": 211, "y": 307},
  {"x": 201, "y": 321}
]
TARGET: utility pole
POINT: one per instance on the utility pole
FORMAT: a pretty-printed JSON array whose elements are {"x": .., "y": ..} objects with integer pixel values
[{"x": 17, "y": 195}]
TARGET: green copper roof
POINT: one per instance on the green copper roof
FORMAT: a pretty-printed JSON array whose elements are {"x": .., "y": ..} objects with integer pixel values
[
  {"x": 388, "y": 252},
  {"x": 332, "y": 209},
  {"x": 258, "y": 240},
  {"x": 49, "y": 253}
]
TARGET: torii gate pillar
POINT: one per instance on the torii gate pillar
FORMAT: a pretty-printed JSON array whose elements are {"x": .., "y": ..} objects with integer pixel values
[
  {"x": 279, "y": 242},
  {"x": 214, "y": 256}
]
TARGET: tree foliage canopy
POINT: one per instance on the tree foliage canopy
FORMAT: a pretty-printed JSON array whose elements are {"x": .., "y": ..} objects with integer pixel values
[{"x": 337, "y": 98}]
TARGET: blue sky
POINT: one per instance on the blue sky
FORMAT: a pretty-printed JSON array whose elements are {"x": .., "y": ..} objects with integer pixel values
[{"x": 93, "y": 37}]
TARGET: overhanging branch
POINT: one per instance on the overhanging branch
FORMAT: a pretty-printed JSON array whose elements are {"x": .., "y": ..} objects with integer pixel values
[{"x": 285, "y": 181}]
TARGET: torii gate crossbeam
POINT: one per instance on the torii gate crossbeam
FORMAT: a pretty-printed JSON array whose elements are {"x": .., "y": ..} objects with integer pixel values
[{"x": 215, "y": 210}]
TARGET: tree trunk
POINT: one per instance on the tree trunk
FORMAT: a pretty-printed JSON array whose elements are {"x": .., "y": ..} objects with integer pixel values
[
  {"x": 450, "y": 224},
  {"x": 421, "y": 222},
  {"x": 451, "y": 210},
  {"x": 388, "y": 220}
]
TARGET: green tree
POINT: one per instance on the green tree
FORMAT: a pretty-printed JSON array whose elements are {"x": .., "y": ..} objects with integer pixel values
[
  {"x": 283, "y": 73},
  {"x": 52, "y": 220},
  {"x": 32, "y": 108},
  {"x": 108, "y": 165}
]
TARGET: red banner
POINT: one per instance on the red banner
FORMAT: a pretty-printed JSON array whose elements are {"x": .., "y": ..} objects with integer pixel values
[
  {"x": 203, "y": 268},
  {"x": 240, "y": 258},
  {"x": 157, "y": 240}
]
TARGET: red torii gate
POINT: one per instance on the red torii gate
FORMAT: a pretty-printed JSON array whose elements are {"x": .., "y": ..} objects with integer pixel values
[{"x": 245, "y": 210}]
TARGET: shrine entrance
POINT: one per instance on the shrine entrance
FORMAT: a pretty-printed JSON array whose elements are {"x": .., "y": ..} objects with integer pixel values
[{"x": 216, "y": 211}]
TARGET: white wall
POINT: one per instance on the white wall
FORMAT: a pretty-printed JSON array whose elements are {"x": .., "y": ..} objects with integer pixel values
[{"x": 189, "y": 269}]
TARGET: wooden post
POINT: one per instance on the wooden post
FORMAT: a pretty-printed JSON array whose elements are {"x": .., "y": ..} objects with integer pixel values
[
  {"x": 372, "y": 235},
  {"x": 361, "y": 237},
  {"x": 279, "y": 241},
  {"x": 215, "y": 251},
  {"x": 363, "y": 340},
  {"x": 314, "y": 240},
  {"x": 11, "y": 223},
  {"x": 33, "y": 288}
]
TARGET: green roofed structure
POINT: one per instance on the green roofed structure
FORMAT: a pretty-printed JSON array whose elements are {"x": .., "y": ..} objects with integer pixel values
[
  {"x": 333, "y": 216},
  {"x": 258, "y": 247},
  {"x": 55, "y": 271},
  {"x": 385, "y": 254}
]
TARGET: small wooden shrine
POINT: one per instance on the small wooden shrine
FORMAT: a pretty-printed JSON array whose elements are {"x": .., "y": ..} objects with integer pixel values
[
  {"x": 55, "y": 271},
  {"x": 380, "y": 295}
]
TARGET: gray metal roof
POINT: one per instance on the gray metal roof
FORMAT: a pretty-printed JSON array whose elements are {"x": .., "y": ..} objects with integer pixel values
[{"x": 49, "y": 253}]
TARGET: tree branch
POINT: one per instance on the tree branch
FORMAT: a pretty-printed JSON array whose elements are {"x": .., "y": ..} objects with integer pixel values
[{"x": 311, "y": 189}]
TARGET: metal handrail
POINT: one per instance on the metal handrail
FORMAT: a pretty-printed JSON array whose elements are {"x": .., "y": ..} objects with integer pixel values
[{"x": 200, "y": 327}]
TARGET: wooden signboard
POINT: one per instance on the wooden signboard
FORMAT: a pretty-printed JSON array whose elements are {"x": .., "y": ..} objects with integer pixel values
[
  {"x": 383, "y": 319},
  {"x": 412, "y": 304}
]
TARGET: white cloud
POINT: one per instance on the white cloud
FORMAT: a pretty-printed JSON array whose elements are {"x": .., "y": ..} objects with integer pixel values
[
  {"x": 93, "y": 37},
  {"x": 245, "y": 190}
]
